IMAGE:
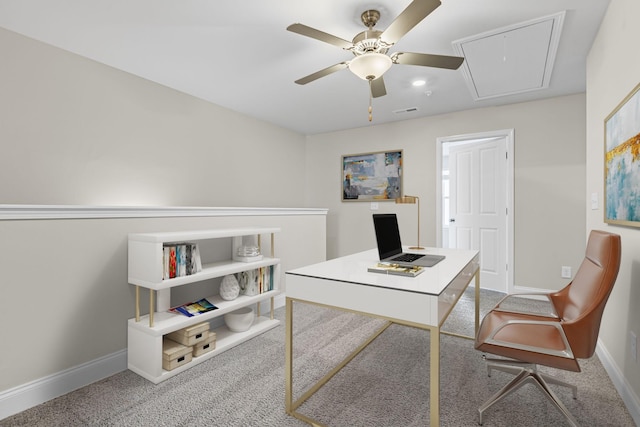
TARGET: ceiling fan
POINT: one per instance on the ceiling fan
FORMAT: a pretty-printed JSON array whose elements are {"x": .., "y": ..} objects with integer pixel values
[{"x": 370, "y": 47}]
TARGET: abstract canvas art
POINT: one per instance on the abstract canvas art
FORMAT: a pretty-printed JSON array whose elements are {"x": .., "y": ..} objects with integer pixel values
[
  {"x": 622, "y": 162},
  {"x": 372, "y": 176}
]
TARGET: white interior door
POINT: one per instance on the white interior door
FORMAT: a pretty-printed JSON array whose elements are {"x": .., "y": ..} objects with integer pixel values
[{"x": 478, "y": 206}]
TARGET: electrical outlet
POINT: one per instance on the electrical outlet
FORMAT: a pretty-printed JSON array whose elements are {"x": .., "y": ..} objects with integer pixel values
[
  {"x": 374, "y": 206},
  {"x": 566, "y": 272},
  {"x": 633, "y": 346}
]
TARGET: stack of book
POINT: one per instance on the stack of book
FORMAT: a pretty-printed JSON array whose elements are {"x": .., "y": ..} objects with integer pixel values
[
  {"x": 388, "y": 268},
  {"x": 180, "y": 259}
]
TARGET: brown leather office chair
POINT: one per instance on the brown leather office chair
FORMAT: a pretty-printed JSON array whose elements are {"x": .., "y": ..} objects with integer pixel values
[{"x": 558, "y": 338}]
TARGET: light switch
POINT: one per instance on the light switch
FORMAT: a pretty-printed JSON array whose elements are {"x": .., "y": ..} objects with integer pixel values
[
  {"x": 594, "y": 201},
  {"x": 374, "y": 206}
]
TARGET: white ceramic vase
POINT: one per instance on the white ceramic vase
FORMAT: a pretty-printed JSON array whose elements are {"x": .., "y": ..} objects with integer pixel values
[
  {"x": 248, "y": 281},
  {"x": 229, "y": 288}
]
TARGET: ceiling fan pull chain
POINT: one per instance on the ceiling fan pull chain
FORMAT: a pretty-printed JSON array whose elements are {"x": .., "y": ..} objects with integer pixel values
[{"x": 370, "y": 99}]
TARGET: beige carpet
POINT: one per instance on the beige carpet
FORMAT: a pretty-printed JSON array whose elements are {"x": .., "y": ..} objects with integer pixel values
[{"x": 386, "y": 385}]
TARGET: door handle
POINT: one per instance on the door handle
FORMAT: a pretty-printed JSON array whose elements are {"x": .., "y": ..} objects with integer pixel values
[{"x": 452, "y": 220}]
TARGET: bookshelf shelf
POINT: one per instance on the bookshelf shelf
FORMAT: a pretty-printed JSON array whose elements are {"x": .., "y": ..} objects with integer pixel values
[{"x": 146, "y": 332}]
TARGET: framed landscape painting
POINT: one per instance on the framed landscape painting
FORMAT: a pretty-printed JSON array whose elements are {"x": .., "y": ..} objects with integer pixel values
[
  {"x": 372, "y": 177},
  {"x": 622, "y": 162}
]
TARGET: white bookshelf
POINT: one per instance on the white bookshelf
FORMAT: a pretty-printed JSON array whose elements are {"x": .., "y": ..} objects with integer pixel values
[{"x": 145, "y": 332}]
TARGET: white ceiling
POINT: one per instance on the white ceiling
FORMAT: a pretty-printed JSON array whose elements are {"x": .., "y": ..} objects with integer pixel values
[{"x": 238, "y": 54}]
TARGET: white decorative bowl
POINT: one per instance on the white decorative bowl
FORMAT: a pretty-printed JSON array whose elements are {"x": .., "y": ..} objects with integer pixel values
[{"x": 239, "y": 320}]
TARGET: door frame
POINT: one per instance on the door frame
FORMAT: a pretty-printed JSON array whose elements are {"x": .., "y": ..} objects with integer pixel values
[{"x": 508, "y": 134}]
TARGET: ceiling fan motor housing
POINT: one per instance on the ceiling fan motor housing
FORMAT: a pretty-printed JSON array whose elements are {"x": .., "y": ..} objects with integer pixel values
[{"x": 369, "y": 41}]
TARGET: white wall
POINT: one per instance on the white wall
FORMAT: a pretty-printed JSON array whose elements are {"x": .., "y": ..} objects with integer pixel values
[
  {"x": 74, "y": 131},
  {"x": 549, "y": 181},
  {"x": 613, "y": 70}
]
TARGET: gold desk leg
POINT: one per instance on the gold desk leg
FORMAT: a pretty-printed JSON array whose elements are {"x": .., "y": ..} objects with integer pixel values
[
  {"x": 477, "y": 298},
  {"x": 288, "y": 356},
  {"x": 434, "y": 354},
  {"x": 272, "y": 307},
  {"x": 137, "y": 303},
  {"x": 151, "y": 307}
]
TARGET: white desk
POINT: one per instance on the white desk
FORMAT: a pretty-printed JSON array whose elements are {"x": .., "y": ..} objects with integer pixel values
[{"x": 423, "y": 302}]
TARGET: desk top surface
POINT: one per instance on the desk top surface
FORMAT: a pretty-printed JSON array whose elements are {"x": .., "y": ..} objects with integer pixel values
[{"x": 353, "y": 269}]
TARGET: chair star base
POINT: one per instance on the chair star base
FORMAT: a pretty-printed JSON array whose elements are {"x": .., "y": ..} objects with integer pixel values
[{"x": 526, "y": 372}]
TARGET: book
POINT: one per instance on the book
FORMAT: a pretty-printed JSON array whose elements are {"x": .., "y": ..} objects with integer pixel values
[
  {"x": 196, "y": 255},
  {"x": 189, "y": 266},
  {"x": 191, "y": 309},
  {"x": 387, "y": 268},
  {"x": 193, "y": 259},
  {"x": 165, "y": 262},
  {"x": 268, "y": 279},
  {"x": 173, "y": 263},
  {"x": 181, "y": 257},
  {"x": 271, "y": 288}
]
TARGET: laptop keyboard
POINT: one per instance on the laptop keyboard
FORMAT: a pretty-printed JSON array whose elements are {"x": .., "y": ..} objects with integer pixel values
[{"x": 407, "y": 257}]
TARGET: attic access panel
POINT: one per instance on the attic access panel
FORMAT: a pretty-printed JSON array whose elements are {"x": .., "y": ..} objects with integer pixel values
[{"x": 511, "y": 60}]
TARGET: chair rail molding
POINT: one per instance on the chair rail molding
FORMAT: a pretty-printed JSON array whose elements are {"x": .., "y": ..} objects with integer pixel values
[{"x": 25, "y": 212}]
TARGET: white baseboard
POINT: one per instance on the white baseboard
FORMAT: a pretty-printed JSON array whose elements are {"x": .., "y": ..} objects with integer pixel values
[
  {"x": 39, "y": 391},
  {"x": 629, "y": 398},
  {"x": 44, "y": 389}
]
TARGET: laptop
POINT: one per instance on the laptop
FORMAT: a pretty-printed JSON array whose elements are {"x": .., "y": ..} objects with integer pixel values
[{"x": 390, "y": 247}]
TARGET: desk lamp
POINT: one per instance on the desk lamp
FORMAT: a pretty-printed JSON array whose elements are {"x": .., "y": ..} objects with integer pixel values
[{"x": 412, "y": 200}]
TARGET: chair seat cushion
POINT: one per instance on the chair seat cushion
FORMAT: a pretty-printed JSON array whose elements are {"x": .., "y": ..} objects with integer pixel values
[{"x": 533, "y": 342}]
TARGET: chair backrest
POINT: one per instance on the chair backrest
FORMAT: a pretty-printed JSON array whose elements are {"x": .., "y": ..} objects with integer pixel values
[{"x": 581, "y": 303}]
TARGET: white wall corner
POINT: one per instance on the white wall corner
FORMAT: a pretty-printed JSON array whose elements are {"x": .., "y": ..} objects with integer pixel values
[
  {"x": 629, "y": 397},
  {"x": 28, "y": 395}
]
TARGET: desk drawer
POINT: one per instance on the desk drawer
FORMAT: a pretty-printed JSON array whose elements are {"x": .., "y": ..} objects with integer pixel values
[{"x": 452, "y": 293}]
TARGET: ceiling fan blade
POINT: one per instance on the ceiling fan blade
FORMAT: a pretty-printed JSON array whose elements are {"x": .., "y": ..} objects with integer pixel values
[
  {"x": 409, "y": 18},
  {"x": 322, "y": 73},
  {"x": 377, "y": 88},
  {"x": 319, "y": 35},
  {"x": 427, "y": 60}
]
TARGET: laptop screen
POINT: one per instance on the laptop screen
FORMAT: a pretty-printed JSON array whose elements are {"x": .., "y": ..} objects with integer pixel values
[{"x": 387, "y": 235}]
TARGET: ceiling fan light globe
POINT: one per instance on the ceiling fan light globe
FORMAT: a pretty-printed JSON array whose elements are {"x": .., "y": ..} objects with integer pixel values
[{"x": 370, "y": 66}]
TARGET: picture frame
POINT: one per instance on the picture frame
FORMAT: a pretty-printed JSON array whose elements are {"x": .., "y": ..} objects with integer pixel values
[
  {"x": 372, "y": 177},
  {"x": 622, "y": 162}
]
